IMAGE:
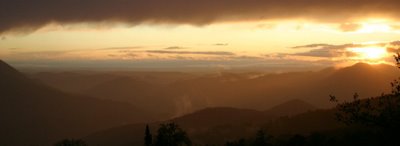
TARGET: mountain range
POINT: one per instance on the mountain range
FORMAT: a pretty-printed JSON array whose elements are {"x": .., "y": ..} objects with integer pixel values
[
  {"x": 215, "y": 126},
  {"x": 112, "y": 108},
  {"x": 33, "y": 113},
  {"x": 182, "y": 93}
]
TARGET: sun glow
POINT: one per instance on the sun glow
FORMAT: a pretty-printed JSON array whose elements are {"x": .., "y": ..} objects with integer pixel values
[
  {"x": 374, "y": 27},
  {"x": 370, "y": 53}
]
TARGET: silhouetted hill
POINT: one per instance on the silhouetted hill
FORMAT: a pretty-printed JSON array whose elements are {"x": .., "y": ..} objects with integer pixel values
[
  {"x": 11, "y": 73},
  {"x": 141, "y": 94},
  {"x": 181, "y": 93},
  {"x": 304, "y": 123},
  {"x": 73, "y": 82},
  {"x": 218, "y": 125},
  {"x": 32, "y": 113},
  {"x": 210, "y": 117},
  {"x": 290, "y": 108},
  {"x": 136, "y": 88},
  {"x": 367, "y": 80},
  {"x": 77, "y": 81},
  {"x": 210, "y": 124}
]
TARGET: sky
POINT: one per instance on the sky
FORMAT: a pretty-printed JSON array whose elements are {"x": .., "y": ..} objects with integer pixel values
[{"x": 198, "y": 33}]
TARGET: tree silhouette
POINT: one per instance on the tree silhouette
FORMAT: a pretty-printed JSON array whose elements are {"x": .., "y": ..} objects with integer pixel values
[
  {"x": 297, "y": 140},
  {"x": 240, "y": 142},
  {"x": 71, "y": 142},
  {"x": 380, "y": 112},
  {"x": 171, "y": 135},
  {"x": 317, "y": 139},
  {"x": 148, "y": 138},
  {"x": 262, "y": 139}
]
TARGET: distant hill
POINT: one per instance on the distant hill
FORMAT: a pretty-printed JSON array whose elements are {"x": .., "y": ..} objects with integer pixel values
[
  {"x": 208, "y": 124},
  {"x": 72, "y": 82},
  {"x": 77, "y": 81},
  {"x": 290, "y": 108},
  {"x": 35, "y": 114},
  {"x": 265, "y": 91},
  {"x": 210, "y": 117},
  {"x": 139, "y": 93},
  {"x": 176, "y": 94},
  {"x": 316, "y": 121},
  {"x": 136, "y": 88},
  {"x": 218, "y": 125}
]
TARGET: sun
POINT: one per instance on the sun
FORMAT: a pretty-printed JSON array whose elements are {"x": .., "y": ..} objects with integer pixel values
[
  {"x": 374, "y": 27},
  {"x": 370, "y": 53}
]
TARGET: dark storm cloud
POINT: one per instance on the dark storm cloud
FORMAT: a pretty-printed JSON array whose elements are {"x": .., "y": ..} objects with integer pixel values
[
  {"x": 222, "y": 53},
  {"x": 28, "y": 15}
]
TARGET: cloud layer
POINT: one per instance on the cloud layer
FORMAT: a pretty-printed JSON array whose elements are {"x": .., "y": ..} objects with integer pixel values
[
  {"x": 32, "y": 14},
  {"x": 330, "y": 51}
]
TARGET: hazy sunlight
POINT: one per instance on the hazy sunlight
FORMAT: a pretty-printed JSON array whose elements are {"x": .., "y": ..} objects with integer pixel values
[{"x": 370, "y": 53}]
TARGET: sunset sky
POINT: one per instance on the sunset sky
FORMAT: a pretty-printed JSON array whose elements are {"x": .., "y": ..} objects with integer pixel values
[{"x": 198, "y": 33}]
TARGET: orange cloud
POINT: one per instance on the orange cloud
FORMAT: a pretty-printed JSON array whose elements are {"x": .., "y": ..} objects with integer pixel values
[{"x": 349, "y": 27}]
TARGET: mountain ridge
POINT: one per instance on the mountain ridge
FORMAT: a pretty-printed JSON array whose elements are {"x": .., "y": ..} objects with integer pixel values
[
  {"x": 290, "y": 108},
  {"x": 34, "y": 114}
]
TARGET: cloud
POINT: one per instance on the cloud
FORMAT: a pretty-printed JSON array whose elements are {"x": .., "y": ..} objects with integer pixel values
[
  {"x": 266, "y": 26},
  {"x": 37, "y": 54},
  {"x": 17, "y": 15},
  {"x": 174, "y": 48},
  {"x": 330, "y": 51},
  {"x": 246, "y": 57},
  {"x": 121, "y": 48},
  {"x": 395, "y": 43},
  {"x": 312, "y": 46},
  {"x": 221, "y": 44},
  {"x": 350, "y": 27},
  {"x": 222, "y": 53},
  {"x": 394, "y": 47},
  {"x": 325, "y": 52},
  {"x": 395, "y": 27}
]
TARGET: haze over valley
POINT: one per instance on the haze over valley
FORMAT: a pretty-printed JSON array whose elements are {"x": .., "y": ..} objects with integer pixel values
[
  {"x": 43, "y": 107},
  {"x": 199, "y": 72}
]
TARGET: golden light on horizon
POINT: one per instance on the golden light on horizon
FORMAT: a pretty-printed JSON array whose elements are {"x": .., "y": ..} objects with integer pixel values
[
  {"x": 374, "y": 27},
  {"x": 370, "y": 53}
]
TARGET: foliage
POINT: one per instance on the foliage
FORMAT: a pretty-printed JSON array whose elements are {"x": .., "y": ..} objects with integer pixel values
[
  {"x": 148, "y": 138},
  {"x": 381, "y": 112},
  {"x": 171, "y": 135},
  {"x": 262, "y": 139},
  {"x": 240, "y": 142},
  {"x": 71, "y": 142}
]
